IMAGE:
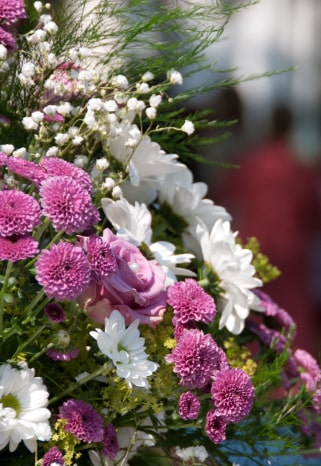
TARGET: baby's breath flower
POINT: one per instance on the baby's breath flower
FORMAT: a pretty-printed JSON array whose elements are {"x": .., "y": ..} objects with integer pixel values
[
  {"x": 148, "y": 76},
  {"x": 175, "y": 77},
  {"x": 188, "y": 127},
  {"x": 151, "y": 113}
]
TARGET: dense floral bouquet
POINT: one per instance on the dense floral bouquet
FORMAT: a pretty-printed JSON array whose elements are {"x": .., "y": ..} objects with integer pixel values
[{"x": 133, "y": 328}]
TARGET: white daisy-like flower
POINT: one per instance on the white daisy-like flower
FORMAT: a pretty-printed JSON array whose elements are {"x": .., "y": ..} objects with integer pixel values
[
  {"x": 133, "y": 223},
  {"x": 126, "y": 348},
  {"x": 146, "y": 162},
  {"x": 23, "y": 413},
  {"x": 186, "y": 198},
  {"x": 232, "y": 264}
]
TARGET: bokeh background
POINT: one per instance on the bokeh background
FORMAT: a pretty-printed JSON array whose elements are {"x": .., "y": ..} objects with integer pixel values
[{"x": 276, "y": 193}]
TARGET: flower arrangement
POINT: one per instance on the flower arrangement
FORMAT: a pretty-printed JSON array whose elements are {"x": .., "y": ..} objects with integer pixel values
[{"x": 133, "y": 325}]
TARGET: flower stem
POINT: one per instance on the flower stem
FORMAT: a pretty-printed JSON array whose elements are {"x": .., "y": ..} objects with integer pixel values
[
  {"x": 84, "y": 380},
  {"x": 2, "y": 292}
]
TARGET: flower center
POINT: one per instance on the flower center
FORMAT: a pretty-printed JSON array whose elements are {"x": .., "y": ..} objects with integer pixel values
[{"x": 10, "y": 401}]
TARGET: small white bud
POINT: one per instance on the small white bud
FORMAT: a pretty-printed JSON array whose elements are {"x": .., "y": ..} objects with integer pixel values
[
  {"x": 188, "y": 127},
  {"x": 52, "y": 151},
  {"x": 7, "y": 148},
  {"x": 38, "y": 6},
  {"x": 148, "y": 76},
  {"x": 117, "y": 192},
  {"x": 81, "y": 161},
  {"x": 151, "y": 113},
  {"x": 175, "y": 77}
]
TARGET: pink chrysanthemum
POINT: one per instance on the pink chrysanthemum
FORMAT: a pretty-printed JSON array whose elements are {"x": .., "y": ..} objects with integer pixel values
[
  {"x": 233, "y": 394},
  {"x": 62, "y": 354},
  {"x": 271, "y": 309},
  {"x": 101, "y": 258},
  {"x": 19, "y": 213},
  {"x": 268, "y": 336},
  {"x": 308, "y": 368},
  {"x": 196, "y": 358},
  {"x": 190, "y": 302},
  {"x": 11, "y": 11},
  {"x": 110, "y": 442},
  {"x": 83, "y": 421},
  {"x": 188, "y": 406},
  {"x": 7, "y": 40},
  {"x": 63, "y": 271},
  {"x": 55, "y": 313},
  {"x": 53, "y": 456},
  {"x": 215, "y": 427},
  {"x": 17, "y": 248},
  {"x": 67, "y": 204},
  {"x": 26, "y": 169},
  {"x": 3, "y": 157},
  {"x": 59, "y": 167}
]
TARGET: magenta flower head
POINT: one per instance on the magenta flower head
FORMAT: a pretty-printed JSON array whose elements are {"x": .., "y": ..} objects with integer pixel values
[
  {"x": 100, "y": 256},
  {"x": 58, "y": 167},
  {"x": 67, "y": 204},
  {"x": 233, "y": 394},
  {"x": 3, "y": 156},
  {"x": 55, "y": 313},
  {"x": 7, "y": 40},
  {"x": 19, "y": 213},
  {"x": 11, "y": 11},
  {"x": 110, "y": 442},
  {"x": 26, "y": 169},
  {"x": 17, "y": 248},
  {"x": 83, "y": 421},
  {"x": 188, "y": 406},
  {"x": 53, "y": 456},
  {"x": 190, "y": 302},
  {"x": 215, "y": 426},
  {"x": 63, "y": 271},
  {"x": 196, "y": 358},
  {"x": 271, "y": 309}
]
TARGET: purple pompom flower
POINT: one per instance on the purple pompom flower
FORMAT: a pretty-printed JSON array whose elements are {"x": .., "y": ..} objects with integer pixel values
[
  {"x": 7, "y": 40},
  {"x": 110, "y": 442},
  {"x": 83, "y": 421},
  {"x": 64, "y": 355},
  {"x": 233, "y": 394},
  {"x": 188, "y": 406},
  {"x": 19, "y": 213},
  {"x": 215, "y": 426},
  {"x": 55, "y": 313},
  {"x": 53, "y": 456},
  {"x": 3, "y": 156},
  {"x": 12, "y": 11},
  {"x": 101, "y": 258},
  {"x": 67, "y": 204},
  {"x": 26, "y": 169},
  {"x": 190, "y": 302},
  {"x": 63, "y": 271},
  {"x": 59, "y": 167},
  {"x": 271, "y": 309},
  {"x": 17, "y": 248},
  {"x": 196, "y": 358}
]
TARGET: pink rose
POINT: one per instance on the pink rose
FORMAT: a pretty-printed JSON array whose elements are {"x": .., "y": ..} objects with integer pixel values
[{"x": 136, "y": 289}]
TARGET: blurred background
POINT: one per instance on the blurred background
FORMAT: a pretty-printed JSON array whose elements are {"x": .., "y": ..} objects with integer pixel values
[{"x": 275, "y": 195}]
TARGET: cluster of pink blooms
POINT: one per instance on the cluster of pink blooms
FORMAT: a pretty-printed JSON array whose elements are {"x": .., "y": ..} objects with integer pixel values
[
  {"x": 86, "y": 424},
  {"x": 11, "y": 12},
  {"x": 64, "y": 197},
  {"x": 277, "y": 332},
  {"x": 202, "y": 366}
]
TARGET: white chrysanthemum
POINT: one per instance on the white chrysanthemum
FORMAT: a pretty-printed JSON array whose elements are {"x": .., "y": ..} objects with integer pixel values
[
  {"x": 147, "y": 163},
  {"x": 23, "y": 413},
  {"x": 125, "y": 347},
  {"x": 187, "y": 200},
  {"x": 232, "y": 264},
  {"x": 133, "y": 223}
]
